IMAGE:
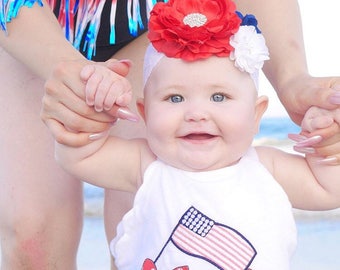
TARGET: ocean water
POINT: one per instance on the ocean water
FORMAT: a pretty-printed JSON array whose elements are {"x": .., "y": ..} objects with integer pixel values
[{"x": 276, "y": 128}]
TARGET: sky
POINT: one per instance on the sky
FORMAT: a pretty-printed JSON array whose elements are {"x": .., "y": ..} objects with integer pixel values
[{"x": 321, "y": 28}]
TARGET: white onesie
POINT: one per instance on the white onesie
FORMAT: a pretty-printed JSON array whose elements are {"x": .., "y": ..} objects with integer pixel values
[{"x": 236, "y": 217}]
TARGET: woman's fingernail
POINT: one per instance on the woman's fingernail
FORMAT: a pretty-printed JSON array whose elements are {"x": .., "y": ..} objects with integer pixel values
[
  {"x": 296, "y": 137},
  {"x": 127, "y": 114},
  {"x": 329, "y": 161},
  {"x": 309, "y": 141},
  {"x": 335, "y": 98},
  {"x": 97, "y": 136},
  {"x": 304, "y": 150},
  {"x": 126, "y": 62}
]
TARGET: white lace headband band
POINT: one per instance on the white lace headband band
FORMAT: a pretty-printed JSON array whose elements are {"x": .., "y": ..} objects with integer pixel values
[
  {"x": 198, "y": 29},
  {"x": 152, "y": 58}
]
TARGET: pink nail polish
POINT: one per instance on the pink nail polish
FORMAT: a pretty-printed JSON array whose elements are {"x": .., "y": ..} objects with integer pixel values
[
  {"x": 97, "y": 136},
  {"x": 127, "y": 114},
  {"x": 309, "y": 141},
  {"x": 329, "y": 161},
  {"x": 126, "y": 62},
  {"x": 296, "y": 137},
  {"x": 335, "y": 98},
  {"x": 304, "y": 150}
]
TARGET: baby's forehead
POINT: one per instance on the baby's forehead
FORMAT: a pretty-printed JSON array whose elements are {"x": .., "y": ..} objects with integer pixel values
[
  {"x": 218, "y": 69},
  {"x": 211, "y": 74},
  {"x": 154, "y": 60}
]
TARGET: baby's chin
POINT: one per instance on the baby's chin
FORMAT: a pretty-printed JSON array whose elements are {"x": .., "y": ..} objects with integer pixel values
[{"x": 200, "y": 165}]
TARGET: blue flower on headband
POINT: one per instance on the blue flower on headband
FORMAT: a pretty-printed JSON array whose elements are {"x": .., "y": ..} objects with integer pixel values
[{"x": 249, "y": 19}]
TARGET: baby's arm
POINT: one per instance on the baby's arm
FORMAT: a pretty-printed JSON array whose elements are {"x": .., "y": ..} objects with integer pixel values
[
  {"x": 310, "y": 183},
  {"x": 108, "y": 162}
]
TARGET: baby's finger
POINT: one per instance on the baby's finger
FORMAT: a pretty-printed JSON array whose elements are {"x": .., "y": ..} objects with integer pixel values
[
  {"x": 103, "y": 90},
  {"x": 86, "y": 72},
  {"x": 109, "y": 100},
  {"x": 125, "y": 92},
  {"x": 92, "y": 87},
  {"x": 119, "y": 93},
  {"x": 124, "y": 100},
  {"x": 316, "y": 118},
  {"x": 319, "y": 122},
  {"x": 114, "y": 90}
]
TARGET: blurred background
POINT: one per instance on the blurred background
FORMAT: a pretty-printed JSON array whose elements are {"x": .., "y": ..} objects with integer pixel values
[{"x": 319, "y": 232}]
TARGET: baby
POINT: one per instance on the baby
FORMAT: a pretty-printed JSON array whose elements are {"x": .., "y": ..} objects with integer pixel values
[{"x": 205, "y": 198}]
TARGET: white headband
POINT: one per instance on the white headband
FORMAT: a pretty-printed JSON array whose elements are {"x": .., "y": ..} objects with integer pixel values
[{"x": 152, "y": 58}]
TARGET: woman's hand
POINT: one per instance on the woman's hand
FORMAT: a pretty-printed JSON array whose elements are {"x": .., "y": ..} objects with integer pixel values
[
  {"x": 64, "y": 110},
  {"x": 302, "y": 92},
  {"x": 320, "y": 135}
]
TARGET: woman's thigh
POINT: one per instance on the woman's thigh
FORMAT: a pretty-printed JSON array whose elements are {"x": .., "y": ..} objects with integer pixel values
[{"x": 34, "y": 189}]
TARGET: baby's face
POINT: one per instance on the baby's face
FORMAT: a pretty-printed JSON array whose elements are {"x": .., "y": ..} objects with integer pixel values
[{"x": 200, "y": 115}]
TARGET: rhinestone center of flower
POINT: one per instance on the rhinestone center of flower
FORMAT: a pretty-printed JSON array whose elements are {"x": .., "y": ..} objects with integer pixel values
[{"x": 195, "y": 19}]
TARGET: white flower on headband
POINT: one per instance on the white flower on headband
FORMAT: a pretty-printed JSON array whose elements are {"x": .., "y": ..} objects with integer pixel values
[{"x": 250, "y": 49}]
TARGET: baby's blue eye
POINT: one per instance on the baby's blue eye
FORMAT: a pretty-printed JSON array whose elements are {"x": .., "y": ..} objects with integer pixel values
[
  {"x": 218, "y": 97},
  {"x": 176, "y": 98}
]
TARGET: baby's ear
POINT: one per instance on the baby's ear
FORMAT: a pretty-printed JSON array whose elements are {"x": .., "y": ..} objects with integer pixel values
[
  {"x": 141, "y": 107},
  {"x": 261, "y": 106}
]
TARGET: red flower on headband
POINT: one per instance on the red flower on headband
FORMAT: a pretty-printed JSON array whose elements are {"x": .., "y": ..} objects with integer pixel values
[{"x": 193, "y": 29}]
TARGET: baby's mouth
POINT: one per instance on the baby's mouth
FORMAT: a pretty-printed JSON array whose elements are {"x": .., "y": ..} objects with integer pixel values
[{"x": 199, "y": 136}]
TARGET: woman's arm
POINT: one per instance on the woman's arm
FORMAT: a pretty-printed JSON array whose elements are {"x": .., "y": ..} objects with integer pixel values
[
  {"x": 287, "y": 70},
  {"x": 36, "y": 39}
]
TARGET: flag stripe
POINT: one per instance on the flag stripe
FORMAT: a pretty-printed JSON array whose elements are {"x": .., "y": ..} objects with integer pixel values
[
  {"x": 198, "y": 235},
  {"x": 214, "y": 247},
  {"x": 243, "y": 246},
  {"x": 188, "y": 244}
]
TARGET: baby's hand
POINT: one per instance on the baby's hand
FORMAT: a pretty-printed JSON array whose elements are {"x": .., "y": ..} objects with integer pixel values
[
  {"x": 105, "y": 88},
  {"x": 317, "y": 118},
  {"x": 320, "y": 134}
]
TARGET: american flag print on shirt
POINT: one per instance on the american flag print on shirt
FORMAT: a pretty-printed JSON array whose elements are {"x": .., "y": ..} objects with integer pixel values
[{"x": 199, "y": 236}]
